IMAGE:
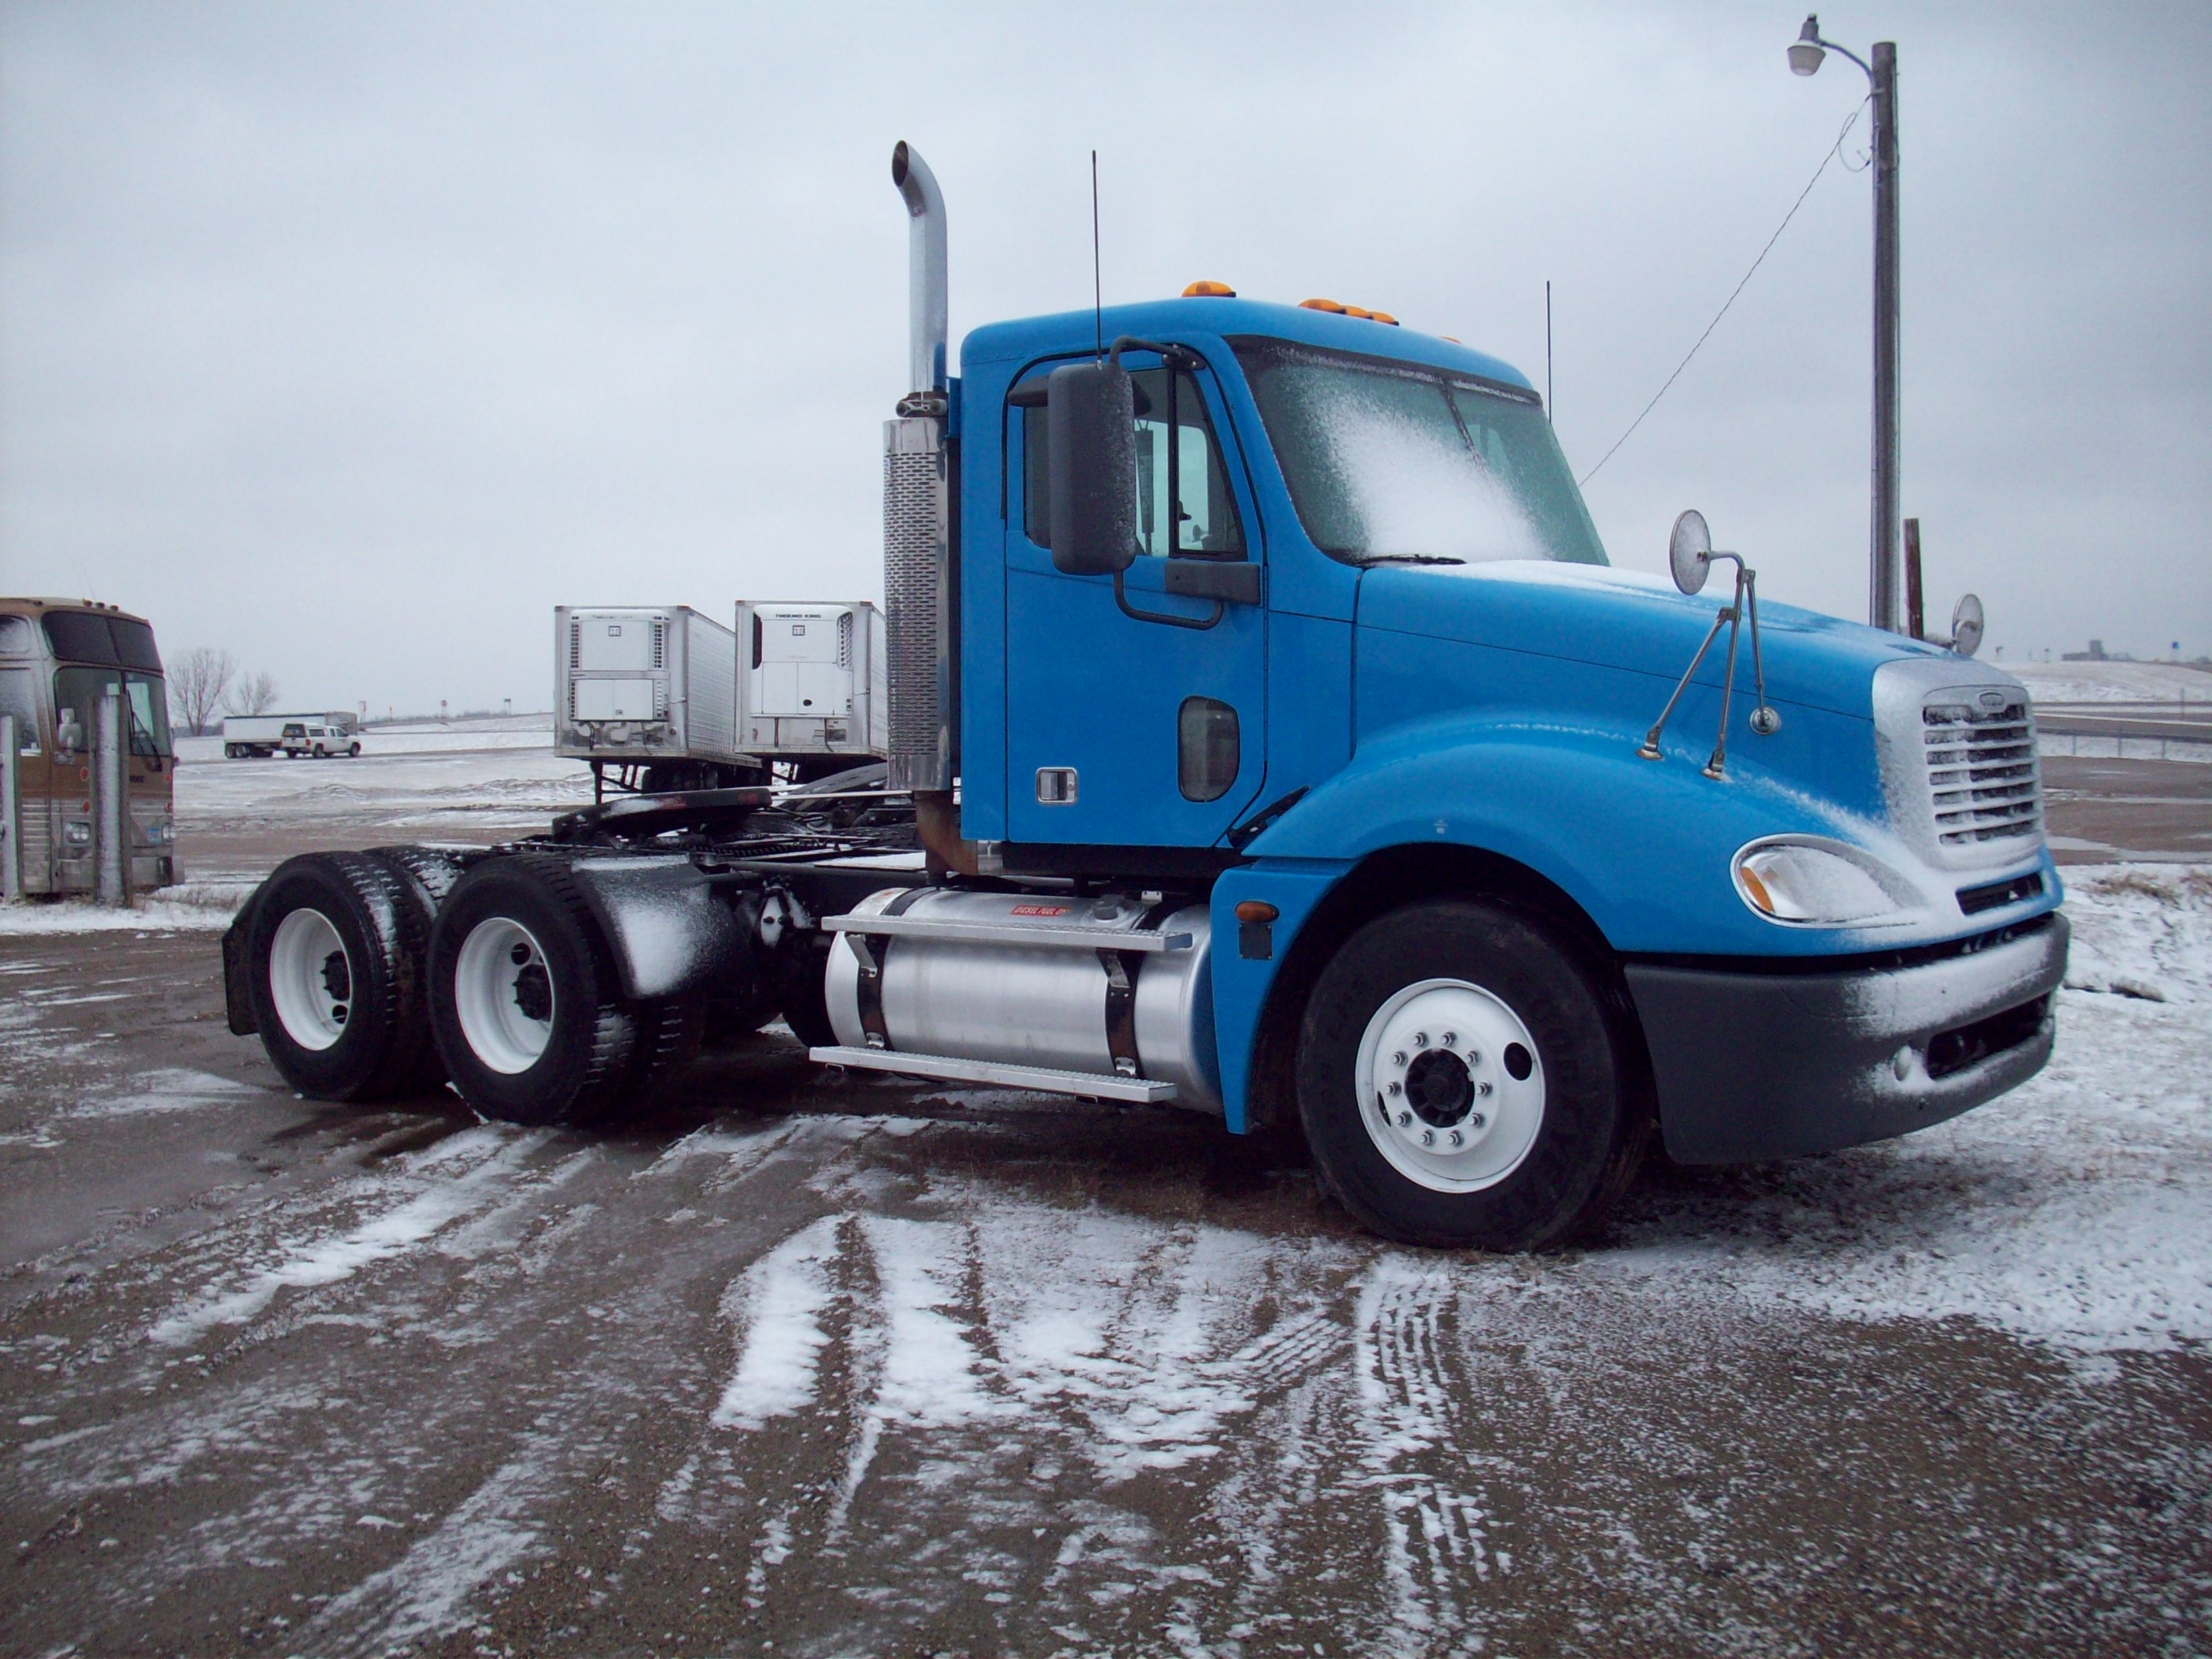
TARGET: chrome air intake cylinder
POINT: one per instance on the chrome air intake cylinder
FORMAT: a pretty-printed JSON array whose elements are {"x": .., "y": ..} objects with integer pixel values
[{"x": 1065, "y": 1006}]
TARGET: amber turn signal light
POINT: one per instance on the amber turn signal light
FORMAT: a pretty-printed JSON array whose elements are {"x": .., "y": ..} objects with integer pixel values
[{"x": 1251, "y": 910}]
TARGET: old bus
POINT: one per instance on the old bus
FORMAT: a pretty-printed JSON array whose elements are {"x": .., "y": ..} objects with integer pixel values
[{"x": 57, "y": 658}]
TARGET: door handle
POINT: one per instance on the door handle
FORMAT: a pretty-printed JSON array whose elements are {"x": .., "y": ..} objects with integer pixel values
[{"x": 1203, "y": 579}]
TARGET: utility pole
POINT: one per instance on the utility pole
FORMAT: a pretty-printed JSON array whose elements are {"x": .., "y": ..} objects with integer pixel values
[
  {"x": 1885, "y": 588},
  {"x": 1886, "y": 584}
]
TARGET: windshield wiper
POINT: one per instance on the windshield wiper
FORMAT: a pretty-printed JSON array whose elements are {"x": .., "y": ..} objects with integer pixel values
[{"x": 1367, "y": 561}]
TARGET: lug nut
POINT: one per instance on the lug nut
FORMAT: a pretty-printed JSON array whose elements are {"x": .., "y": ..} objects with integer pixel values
[
  {"x": 1475, "y": 1120},
  {"x": 1428, "y": 1137},
  {"x": 1420, "y": 1039},
  {"x": 1397, "y": 1087},
  {"x": 1482, "y": 1088},
  {"x": 1457, "y": 1139},
  {"x": 1398, "y": 1059},
  {"x": 1451, "y": 1039},
  {"x": 1405, "y": 1120},
  {"x": 1474, "y": 1056}
]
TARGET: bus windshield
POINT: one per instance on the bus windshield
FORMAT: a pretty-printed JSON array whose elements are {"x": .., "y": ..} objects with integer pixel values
[
  {"x": 1395, "y": 460},
  {"x": 144, "y": 699}
]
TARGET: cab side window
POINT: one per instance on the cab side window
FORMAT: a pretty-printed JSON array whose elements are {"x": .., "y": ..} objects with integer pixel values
[{"x": 1206, "y": 526}]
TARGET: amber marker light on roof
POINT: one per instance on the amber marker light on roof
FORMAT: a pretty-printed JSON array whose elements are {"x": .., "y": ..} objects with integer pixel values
[
  {"x": 1320, "y": 305},
  {"x": 1383, "y": 317},
  {"x": 1206, "y": 290}
]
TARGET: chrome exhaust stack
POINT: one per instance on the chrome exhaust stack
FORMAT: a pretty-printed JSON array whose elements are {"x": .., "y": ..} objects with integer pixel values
[
  {"x": 927, "y": 311},
  {"x": 917, "y": 554}
]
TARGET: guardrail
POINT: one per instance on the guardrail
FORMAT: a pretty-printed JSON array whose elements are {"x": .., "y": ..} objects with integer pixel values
[{"x": 2164, "y": 724}]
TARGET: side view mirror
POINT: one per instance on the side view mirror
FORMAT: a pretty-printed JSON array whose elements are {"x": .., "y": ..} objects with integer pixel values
[
  {"x": 69, "y": 736},
  {"x": 1090, "y": 440},
  {"x": 1689, "y": 552},
  {"x": 1967, "y": 625}
]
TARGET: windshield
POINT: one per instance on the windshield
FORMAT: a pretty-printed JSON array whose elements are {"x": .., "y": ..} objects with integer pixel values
[
  {"x": 145, "y": 705},
  {"x": 1389, "y": 460}
]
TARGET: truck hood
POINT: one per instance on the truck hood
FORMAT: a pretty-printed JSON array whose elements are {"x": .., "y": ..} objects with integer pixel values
[{"x": 1623, "y": 619}]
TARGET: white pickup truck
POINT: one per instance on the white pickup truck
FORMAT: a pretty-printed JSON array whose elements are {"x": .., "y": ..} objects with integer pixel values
[{"x": 304, "y": 738}]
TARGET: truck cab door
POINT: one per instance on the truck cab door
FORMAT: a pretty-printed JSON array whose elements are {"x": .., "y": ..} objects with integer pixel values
[{"x": 1123, "y": 731}]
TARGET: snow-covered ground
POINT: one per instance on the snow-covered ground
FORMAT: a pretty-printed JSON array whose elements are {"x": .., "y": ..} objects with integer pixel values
[
  {"x": 843, "y": 1353},
  {"x": 414, "y": 780},
  {"x": 2113, "y": 682}
]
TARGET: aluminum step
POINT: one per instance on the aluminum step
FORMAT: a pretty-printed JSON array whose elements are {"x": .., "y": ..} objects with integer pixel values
[
  {"x": 991, "y": 933},
  {"x": 998, "y": 1073}
]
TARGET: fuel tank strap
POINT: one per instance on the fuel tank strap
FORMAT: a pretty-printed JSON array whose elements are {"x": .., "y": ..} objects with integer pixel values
[
  {"x": 1122, "y": 967},
  {"x": 868, "y": 992}
]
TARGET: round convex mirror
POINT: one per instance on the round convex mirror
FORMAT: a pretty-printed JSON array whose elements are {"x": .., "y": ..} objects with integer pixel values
[
  {"x": 1690, "y": 551},
  {"x": 1967, "y": 626}
]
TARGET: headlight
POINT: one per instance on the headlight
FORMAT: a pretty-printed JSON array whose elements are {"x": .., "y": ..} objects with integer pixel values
[
  {"x": 77, "y": 833},
  {"x": 1805, "y": 882}
]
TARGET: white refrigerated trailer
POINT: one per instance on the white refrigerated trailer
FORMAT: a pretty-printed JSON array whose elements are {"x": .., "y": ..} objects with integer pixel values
[
  {"x": 814, "y": 686},
  {"x": 649, "y": 691}
]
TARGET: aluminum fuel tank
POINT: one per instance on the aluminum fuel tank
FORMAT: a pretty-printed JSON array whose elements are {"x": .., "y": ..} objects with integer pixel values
[{"x": 1032, "y": 1005}]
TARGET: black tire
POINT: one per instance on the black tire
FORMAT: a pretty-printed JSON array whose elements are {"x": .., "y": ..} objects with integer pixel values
[
  {"x": 806, "y": 1000},
  {"x": 355, "y": 752},
  {"x": 426, "y": 876},
  {"x": 669, "y": 1033},
  {"x": 591, "y": 1036},
  {"x": 1591, "y": 1126},
  {"x": 383, "y": 1046}
]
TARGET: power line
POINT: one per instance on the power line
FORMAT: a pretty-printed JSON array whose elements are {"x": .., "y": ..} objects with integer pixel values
[{"x": 1833, "y": 151}]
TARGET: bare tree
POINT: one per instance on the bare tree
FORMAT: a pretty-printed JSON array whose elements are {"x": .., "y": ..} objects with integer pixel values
[
  {"x": 255, "y": 695},
  {"x": 197, "y": 681}
]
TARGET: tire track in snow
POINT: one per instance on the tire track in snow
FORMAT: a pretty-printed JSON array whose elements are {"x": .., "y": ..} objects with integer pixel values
[
  {"x": 1433, "y": 1539},
  {"x": 316, "y": 1260}
]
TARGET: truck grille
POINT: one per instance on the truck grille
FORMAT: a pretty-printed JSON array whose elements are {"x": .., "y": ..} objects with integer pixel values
[{"x": 1982, "y": 772}]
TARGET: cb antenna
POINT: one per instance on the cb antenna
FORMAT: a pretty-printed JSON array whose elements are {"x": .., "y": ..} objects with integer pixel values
[{"x": 1097, "y": 299}]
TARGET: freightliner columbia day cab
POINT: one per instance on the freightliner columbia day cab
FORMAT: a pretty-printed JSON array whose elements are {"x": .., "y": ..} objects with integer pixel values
[{"x": 1269, "y": 736}]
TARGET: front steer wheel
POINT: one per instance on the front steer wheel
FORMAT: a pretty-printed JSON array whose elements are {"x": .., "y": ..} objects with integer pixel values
[
  {"x": 525, "y": 1004},
  {"x": 334, "y": 964},
  {"x": 1463, "y": 1082}
]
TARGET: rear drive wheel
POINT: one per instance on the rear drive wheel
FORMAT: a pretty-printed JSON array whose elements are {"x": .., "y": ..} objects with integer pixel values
[
  {"x": 334, "y": 970},
  {"x": 1463, "y": 1084},
  {"x": 524, "y": 1001},
  {"x": 354, "y": 751}
]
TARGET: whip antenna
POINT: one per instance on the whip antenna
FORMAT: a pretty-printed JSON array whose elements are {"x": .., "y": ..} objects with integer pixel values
[{"x": 1097, "y": 301}]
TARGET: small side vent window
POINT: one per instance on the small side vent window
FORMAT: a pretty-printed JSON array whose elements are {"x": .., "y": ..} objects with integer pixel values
[{"x": 1206, "y": 749}]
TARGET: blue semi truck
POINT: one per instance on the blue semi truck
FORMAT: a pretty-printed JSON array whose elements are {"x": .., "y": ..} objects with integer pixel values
[{"x": 1269, "y": 736}]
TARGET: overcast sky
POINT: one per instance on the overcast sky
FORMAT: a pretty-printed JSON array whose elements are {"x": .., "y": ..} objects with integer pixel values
[{"x": 355, "y": 338}]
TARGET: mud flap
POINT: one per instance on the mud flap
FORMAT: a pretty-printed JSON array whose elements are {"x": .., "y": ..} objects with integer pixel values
[{"x": 237, "y": 1002}]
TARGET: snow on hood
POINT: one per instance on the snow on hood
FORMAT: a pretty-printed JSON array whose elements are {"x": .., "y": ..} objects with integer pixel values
[{"x": 1627, "y": 619}]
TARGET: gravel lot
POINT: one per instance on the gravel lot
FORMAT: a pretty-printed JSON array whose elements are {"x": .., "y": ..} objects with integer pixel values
[{"x": 797, "y": 1364}]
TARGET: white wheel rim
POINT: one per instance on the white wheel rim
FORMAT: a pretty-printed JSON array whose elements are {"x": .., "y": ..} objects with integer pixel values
[
  {"x": 500, "y": 981},
  {"x": 1437, "y": 1091},
  {"x": 311, "y": 979}
]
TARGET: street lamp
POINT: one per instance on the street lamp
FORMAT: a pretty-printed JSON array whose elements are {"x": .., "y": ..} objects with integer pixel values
[{"x": 1886, "y": 587}]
